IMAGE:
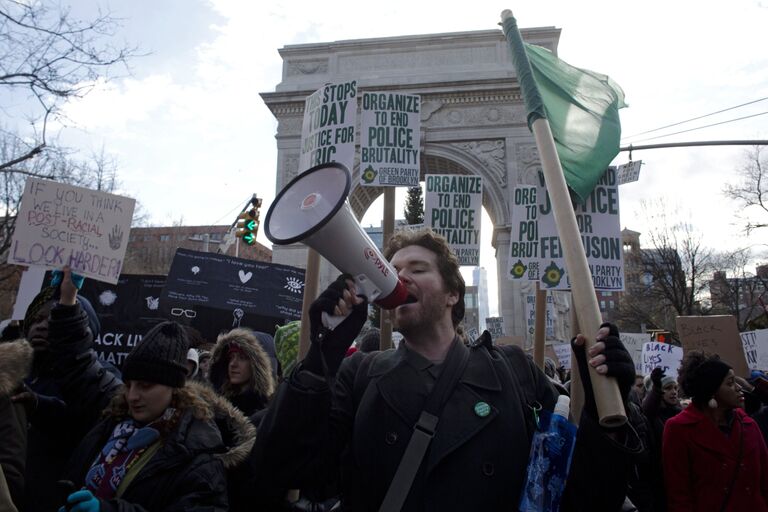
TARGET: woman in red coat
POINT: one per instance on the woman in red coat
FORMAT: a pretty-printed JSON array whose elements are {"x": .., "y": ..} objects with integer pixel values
[{"x": 714, "y": 455}]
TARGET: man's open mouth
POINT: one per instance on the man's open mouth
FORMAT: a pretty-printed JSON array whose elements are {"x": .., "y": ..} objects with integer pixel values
[{"x": 410, "y": 299}]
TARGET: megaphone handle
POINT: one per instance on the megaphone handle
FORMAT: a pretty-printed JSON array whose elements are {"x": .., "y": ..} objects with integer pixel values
[{"x": 332, "y": 321}]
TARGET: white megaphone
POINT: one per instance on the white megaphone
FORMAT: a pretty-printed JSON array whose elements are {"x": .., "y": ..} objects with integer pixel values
[{"x": 313, "y": 209}]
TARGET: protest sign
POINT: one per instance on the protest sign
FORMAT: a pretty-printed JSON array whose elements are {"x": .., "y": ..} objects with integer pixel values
[
  {"x": 530, "y": 316},
  {"x": 452, "y": 207},
  {"x": 563, "y": 352},
  {"x": 328, "y": 130},
  {"x": 390, "y": 129},
  {"x": 495, "y": 326},
  {"x": 634, "y": 342},
  {"x": 213, "y": 292},
  {"x": 535, "y": 252},
  {"x": 756, "y": 349},
  {"x": 661, "y": 355},
  {"x": 714, "y": 334},
  {"x": 126, "y": 311},
  {"x": 60, "y": 225}
]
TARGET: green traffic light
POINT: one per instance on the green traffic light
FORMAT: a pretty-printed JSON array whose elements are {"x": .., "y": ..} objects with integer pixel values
[
  {"x": 250, "y": 225},
  {"x": 249, "y": 238}
]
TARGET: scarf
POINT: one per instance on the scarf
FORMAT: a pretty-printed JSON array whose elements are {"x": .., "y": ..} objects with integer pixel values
[{"x": 125, "y": 446}]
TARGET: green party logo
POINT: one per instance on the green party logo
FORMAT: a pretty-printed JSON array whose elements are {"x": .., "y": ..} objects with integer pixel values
[
  {"x": 552, "y": 275},
  {"x": 369, "y": 175},
  {"x": 518, "y": 269}
]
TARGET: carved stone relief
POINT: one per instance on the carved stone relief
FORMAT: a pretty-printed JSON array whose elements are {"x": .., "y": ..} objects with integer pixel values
[
  {"x": 529, "y": 164},
  {"x": 491, "y": 153},
  {"x": 471, "y": 116},
  {"x": 307, "y": 67}
]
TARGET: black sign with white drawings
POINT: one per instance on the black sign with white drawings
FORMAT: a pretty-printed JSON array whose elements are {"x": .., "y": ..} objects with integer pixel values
[
  {"x": 213, "y": 293},
  {"x": 126, "y": 311}
]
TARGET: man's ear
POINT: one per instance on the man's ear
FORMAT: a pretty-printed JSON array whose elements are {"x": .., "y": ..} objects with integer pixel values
[{"x": 453, "y": 298}]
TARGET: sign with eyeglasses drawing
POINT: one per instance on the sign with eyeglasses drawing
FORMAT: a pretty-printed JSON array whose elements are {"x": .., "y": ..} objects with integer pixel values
[{"x": 243, "y": 288}]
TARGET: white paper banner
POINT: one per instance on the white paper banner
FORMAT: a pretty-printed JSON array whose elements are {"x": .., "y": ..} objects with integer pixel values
[
  {"x": 756, "y": 349},
  {"x": 328, "y": 130},
  {"x": 390, "y": 132},
  {"x": 563, "y": 352},
  {"x": 452, "y": 208},
  {"x": 535, "y": 253},
  {"x": 61, "y": 225},
  {"x": 661, "y": 355},
  {"x": 634, "y": 342}
]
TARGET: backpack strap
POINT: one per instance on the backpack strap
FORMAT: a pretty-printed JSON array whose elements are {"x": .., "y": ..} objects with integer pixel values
[{"x": 519, "y": 371}]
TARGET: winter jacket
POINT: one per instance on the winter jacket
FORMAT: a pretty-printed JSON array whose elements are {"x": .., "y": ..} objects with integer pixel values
[
  {"x": 476, "y": 461},
  {"x": 700, "y": 462},
  {"x": 186, "y": 473},
  {"x": 73, "y": 389},
  {"x": 15, "y": 362},
  {"x": 256, "y": 393},
  {"x": 658, "y": 413}
]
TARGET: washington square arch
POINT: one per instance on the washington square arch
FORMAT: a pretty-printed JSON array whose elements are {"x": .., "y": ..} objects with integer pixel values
[{"x": 473, "y": 122}]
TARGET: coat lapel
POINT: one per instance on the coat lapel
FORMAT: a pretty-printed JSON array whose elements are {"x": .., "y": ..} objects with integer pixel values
[
  {"x": 459, "y": 422},
  {"x": 401, "y": 386}
]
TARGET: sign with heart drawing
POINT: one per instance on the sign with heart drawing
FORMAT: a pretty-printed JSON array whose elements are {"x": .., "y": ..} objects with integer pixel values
[{"x": 244, "y": 276}]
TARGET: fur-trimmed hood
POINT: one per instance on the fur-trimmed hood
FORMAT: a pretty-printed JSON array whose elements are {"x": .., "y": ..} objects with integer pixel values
[
  {"x": 15, "y": 363},
  {"x": 262, "y": 381},
  {"x": 240, "y": 432}
]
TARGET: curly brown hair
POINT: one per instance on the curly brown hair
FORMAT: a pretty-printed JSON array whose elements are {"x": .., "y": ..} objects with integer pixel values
[
  {"x": 696, "y": 383},
  {"x": 447, "y": 264},
  {"x": 183, "y": 399}
]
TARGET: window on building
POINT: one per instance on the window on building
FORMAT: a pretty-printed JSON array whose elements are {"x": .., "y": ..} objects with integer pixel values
[
  {"x": 607, "y": 294},
  {"x": 602, "y": 305},
  {"x": 215, "y": 237},
  {"x": 165, "y": 238},
  {"x": 611, "y": 304}
]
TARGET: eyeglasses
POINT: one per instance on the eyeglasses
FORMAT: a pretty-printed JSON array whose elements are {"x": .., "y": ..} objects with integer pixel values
[{"x": 189, "y": 313}]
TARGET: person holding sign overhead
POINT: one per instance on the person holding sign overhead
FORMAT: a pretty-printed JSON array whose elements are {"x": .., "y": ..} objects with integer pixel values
[
  {"x": 714, "y": 455},
  {"x": 360, "y": 415}
]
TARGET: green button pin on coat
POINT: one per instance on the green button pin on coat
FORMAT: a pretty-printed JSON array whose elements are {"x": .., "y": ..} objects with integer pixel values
[{"x": 482, "y": 409}]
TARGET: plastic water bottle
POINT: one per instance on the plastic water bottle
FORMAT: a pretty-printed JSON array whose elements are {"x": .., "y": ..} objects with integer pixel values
[{"x": 550, "y": 459}]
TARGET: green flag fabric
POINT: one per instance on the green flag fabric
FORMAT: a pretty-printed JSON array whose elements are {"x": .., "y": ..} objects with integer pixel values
[
  {"x": 582, "y": 107},
  {"x": 583, "y": 111}
]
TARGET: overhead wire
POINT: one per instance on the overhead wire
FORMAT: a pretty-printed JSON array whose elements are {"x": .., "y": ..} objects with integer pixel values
[
  {"x": 696, "y": 118},
  {"x": 230, "y": 212},
  {"x": 701, "y": 127}
]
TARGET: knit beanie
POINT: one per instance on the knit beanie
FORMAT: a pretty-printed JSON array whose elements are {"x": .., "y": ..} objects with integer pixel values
[
  {"x": 160, "y": 357},
  {"x": 666, "y": 381},
  {"x": 707, "y": 379}
]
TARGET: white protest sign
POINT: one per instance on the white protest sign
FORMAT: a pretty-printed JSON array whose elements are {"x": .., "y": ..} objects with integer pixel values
[
  {"x": 328, "y": 130},
  {"x": 535, "y": 253},
  {"x": 472, "y": 334},
  {"x": 495, "y": 325},
  {"x": 62, "y": 225},
  {"x": 563, "y": 352},
  {"x": 629, "y": 172},
  {"x": 634, "y": 342},
  {"x": 452, "y": 205},
  {"x": 390, "y": 129},
  {"x": 530, "y": 316},
  {"x": 661, "y": 355},
  {"x": 756, "y": 349}
]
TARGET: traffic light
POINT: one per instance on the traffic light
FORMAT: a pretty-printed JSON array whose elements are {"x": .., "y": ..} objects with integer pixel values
[
  {"x": 663, "y": 337},
  {"x": 248, "y": 224}
]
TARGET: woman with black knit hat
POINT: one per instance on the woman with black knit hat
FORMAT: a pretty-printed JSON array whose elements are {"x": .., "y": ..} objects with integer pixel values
[
  {"x": 156, "y": 450},
  {"x": 714, "y": 455}
]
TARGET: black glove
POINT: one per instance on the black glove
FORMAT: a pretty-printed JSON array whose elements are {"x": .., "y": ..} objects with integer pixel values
[
  {"x": 619, "y": 363},
  {"x": 330, "y": 346},
  {"x": 656, "y": 375}
]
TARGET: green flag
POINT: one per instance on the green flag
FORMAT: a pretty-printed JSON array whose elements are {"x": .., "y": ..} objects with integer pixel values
[{"x": 583, "y": 111}]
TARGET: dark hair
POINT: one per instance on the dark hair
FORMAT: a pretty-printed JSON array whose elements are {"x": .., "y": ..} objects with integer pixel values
[
  {"x": 370, "y": 341},
  {"x": 700, "y": 376},
  {"x": 447, "y": 264}
]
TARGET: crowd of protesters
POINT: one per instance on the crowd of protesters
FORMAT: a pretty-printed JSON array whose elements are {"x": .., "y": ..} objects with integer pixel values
[{"x": 185, "y": 424}]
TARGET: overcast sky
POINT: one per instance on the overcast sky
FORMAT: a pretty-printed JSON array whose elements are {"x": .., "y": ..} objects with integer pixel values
[{"x": 193, "y": 139}]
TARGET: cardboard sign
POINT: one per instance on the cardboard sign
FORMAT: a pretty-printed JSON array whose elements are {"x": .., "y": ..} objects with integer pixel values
[
  {"x": 452, "y": 208},
  {"x": 328, "y": 130},
  {"x": 661, "y": 355},
  {"x": 62, "y": 225},
  {"x": 714, "y": 334},
  {"x": 214, "y": 293},
  {"x": 495, "y": 326},
  {"x": 391, "y": 131},
  {"x": 756, "y": 349},
  {"x": 535, "y": 252},
  {"x": 634, "y": 342}
]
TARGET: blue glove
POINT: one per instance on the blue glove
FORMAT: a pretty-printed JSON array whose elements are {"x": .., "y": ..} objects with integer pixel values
[{"x": 82, "y": 501}]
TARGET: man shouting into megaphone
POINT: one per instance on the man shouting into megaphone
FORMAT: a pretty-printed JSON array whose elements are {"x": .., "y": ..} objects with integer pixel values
[{"x": 433, "y": 424}]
